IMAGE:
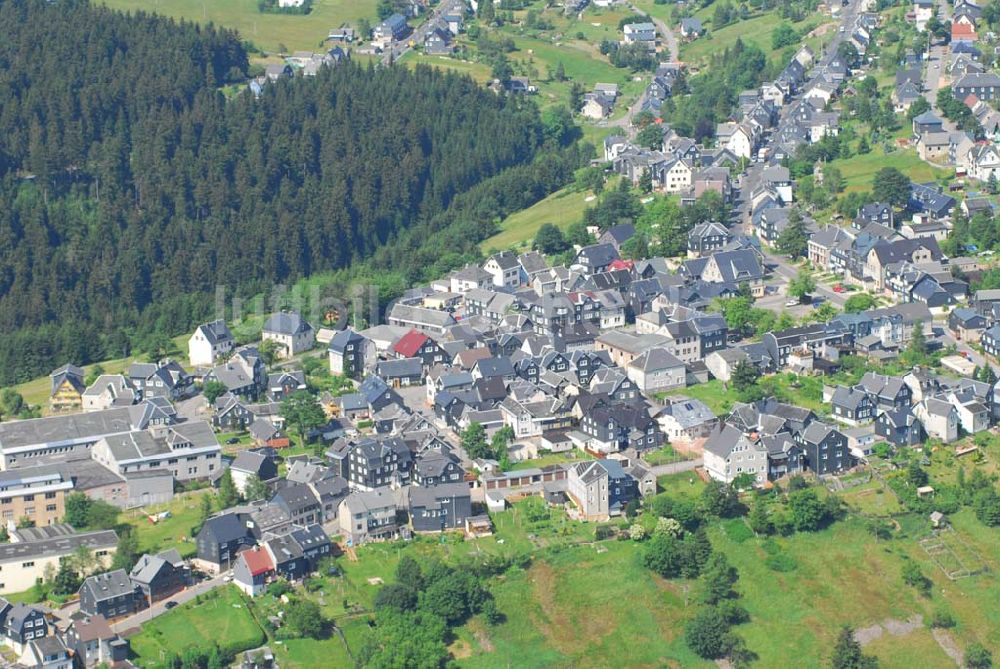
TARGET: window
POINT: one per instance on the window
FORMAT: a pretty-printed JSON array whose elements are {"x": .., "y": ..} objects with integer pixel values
[
  {"x": 26, "y": 565},
  {"x": 50, "y": 495}
]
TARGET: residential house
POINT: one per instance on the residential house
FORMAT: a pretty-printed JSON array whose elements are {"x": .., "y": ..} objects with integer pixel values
[
  {"x": 210, "y": 343},
  {"x": 900, "y": 427},
  {"x": 825, "y": 449},
  {"x": 369, "y": 515},
  {"x": 439, "y": 508},
  {"x": 601, "y": 489},
  {"x": 351, "y": 354},
  {"x": 984, "y": 85},
  {"x": 728, "y": 454},
  {"x": 111, "y": 594},
  {"x": 966, "y": 324},
  {"x": 290, "y": 332},
  {"x": 221, "y": 538},
  {"x": 66, "y": 389},
  {"x": 160, "y": 576},
  {"x": 939, "y": 418}
]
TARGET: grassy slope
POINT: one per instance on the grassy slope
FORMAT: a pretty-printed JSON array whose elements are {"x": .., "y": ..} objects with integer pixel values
[
  {"x": 561, "y": 208},
  {"x": 859, "y": 170},
  {"x": 267, "y": 31}
]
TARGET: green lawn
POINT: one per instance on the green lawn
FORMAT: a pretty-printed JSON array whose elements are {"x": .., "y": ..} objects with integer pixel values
[
  {"x": 172, "y": 532},
  {"x": 547, "y": 458},
  {"x": 220, "y": 617},
  {"x": 268, "y": 31},
  {"x": 859, "y": 170},
  {"x": 562, "y": 208}
]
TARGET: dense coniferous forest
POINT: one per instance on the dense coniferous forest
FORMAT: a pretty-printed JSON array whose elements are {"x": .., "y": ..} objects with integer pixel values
[{"x": 131, "y": 186}]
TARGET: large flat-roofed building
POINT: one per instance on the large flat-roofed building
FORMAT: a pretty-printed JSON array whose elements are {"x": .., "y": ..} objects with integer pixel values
[
  {"x": 187, "y": 450},
  {"x": 35, "y": 493},
  {"x": 37, "y": 441},
  {"x": 31, "y": 551}
]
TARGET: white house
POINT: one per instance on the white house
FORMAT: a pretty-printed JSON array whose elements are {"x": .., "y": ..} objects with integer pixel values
[
  {"x": 210, "y": 343},
  {"x": 729, "y": 453},
  {"x": 290, "y": 331}
]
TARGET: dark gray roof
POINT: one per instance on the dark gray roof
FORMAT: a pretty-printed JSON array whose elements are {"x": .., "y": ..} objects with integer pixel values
[
  {"x": 286, "y": 323},
  {"x": 108, "y": 585}
]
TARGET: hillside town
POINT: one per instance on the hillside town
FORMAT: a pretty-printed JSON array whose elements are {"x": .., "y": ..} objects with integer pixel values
[{"x": 779, "y": 340}]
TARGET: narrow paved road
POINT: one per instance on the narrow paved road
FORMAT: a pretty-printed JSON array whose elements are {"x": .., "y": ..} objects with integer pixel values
[
  {"x": 787, "y": 271},
  {"x": 398, "y": 49},
  {"x": 669, "y": 38},
  {"x": 160, "y": 607}
]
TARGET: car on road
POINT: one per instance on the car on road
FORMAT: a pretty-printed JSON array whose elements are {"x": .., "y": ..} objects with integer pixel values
[
  {"x": 233, "y": 440},
  {"x": 169, "y": 605},
  {"x": 842, "y": 28},
  {"x": 792, "y": 303},
  {"x": 838, "y": 288}
]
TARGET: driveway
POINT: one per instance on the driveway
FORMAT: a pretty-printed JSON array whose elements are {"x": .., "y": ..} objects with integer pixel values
[{"x": 131, "y": 624}]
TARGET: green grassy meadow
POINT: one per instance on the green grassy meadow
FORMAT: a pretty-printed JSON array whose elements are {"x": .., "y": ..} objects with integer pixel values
[
  {"x": 859, "y": 170},
  {"x": 268, "y": 31},
  {"x": 562, "y": 208}
]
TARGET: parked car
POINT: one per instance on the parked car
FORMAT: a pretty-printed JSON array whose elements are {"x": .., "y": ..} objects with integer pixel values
[
  {"x": 838, "y": 288},
  {"x": 169, "y": 605}
]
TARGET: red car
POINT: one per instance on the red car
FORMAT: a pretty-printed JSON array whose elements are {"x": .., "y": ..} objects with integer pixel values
[{"x": 838, "y": 288}]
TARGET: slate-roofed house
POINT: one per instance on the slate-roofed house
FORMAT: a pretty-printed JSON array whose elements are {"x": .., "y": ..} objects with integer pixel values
[
  {"x": 852, "y": 405},
  {"x": 300, "y": 503},
  {"x": 967, "y": 324},
  {"x": 984, "y": 85},
  {"x": 825, "y": 448},
  {"x": 900, "y": 427},
  {"x": 939, "y": 417},
  {"x": 282, "y": 384},
  {"x": 439, "y": 508},
  {"x": 504, "y": 268},
  {"x": 111, "y": 594},
  {"x": 22, "y": 623},
  {"x": 157, "y": 577},
  {"x": 66, "y": 388},
  {"x": 437, "y": 466},
  {"x": 210, "y": 343},
  {"x": 728, "y": 453},
  {"x": 372, "y": 463},
  {"x": 601, "y": 488},
  {"x": 656, "y": 370},
  {"x": 244, "y": 374},
  {"x": 889, "y": 392},
  {"x": 166, "y": 379},
  {"x": 729, "y": 267},
  {"x": 364, "y": 516},
  {"x": 222, "y": 537},
  {"x": 707, "y": 238},
  {"x": 596, "y": 257},
  {"x": 392, "y": 28},
  {"x": 290, "y": 332},
  {"x": 615, "y": 428},
  {"x": 685, "y": 419},
  {"x": 350, "y": 353}
]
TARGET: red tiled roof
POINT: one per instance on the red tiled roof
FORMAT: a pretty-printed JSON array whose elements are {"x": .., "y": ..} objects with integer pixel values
[
  {"x": 410, "y": 343},
  {"x": 258, "y": 561},
  {"x": 621, "y": 264},
  {"x": 962, "y": 30},
  {"x": 970, "y": 100}
]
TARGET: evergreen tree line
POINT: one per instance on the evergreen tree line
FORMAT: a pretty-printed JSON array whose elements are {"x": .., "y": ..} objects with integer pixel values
[{"x": 132, "y": 186}]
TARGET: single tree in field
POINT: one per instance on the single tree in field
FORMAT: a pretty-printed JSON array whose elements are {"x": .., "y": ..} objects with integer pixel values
[{"x": 847, "y": 653}]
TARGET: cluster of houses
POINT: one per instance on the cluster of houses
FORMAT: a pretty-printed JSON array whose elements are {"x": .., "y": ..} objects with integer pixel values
[{"x": 971, "y": 82}]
